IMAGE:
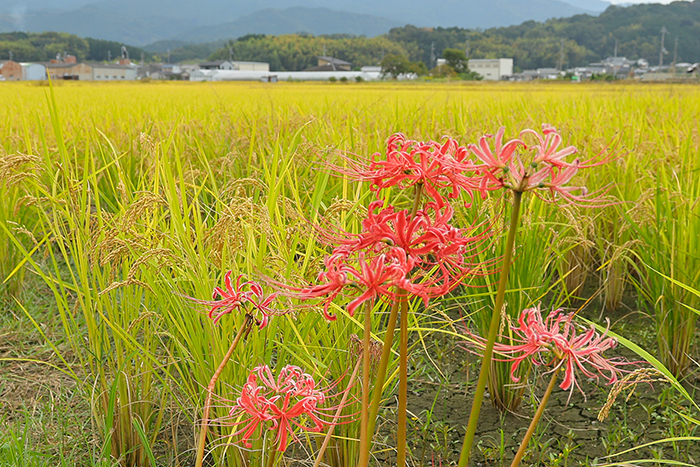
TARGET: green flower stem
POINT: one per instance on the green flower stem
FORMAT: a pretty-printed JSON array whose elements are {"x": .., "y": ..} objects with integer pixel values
[
  {"x": 327, "y": 438},
  {"x": 384, "y": 362},
  {"x": 403, "y": 360},
  {"x": 381, "y": 376},
  {"x": 271, "y": 458},
  {"x": 403, "y": 386},
  {"x": 493, "y": 332},
  {"x": 531, "y": 429},
  {"x": 210, "y": 389},
  {"x": 364, "y": 419}
]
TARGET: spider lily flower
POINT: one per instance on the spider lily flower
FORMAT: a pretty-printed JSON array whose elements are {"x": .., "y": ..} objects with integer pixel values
[
  {"x": 285, "y": 403},
  {"x": 231, "y": 298},
  {"x": 436, "y": 166},
  {"x": 374, "y": 277},
  {"x": 555, "y": 343},
  {"x": 501, "y": 155},
  {"x": 546, "y": 169},
  {"x": 547, "y": 150},
  {"x": 422, "y": 255}
]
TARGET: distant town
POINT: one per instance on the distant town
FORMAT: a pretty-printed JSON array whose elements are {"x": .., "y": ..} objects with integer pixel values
[{"x": 67, "y": 67}]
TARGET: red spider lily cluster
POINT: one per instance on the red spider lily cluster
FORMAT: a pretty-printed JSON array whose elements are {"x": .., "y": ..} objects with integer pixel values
[
  {"x": 423, "y": 255},
  {"x": 555, "y": 343},
  {"x": 545, "y": 168},
  {"x": 479, "y": 168},
  {"x": 232, "y": 298},
  {"x": 289, "y": 401}
]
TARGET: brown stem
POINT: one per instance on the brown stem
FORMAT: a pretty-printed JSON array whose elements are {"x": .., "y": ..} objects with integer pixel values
[
  {"x": 531, "y": 429},
  {"x": 327, "y": 439},
  {"x": 210, "y": 389}
]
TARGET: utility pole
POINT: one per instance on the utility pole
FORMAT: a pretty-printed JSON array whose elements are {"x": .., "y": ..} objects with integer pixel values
[
  {"x": 615, "y": 55},
  {"x": 10, "y": 55},
  {"x": 664, "y": 31},
  {"x": 561, "y": 55},
  {"x": 142, "y": 58},
  {"x": 109, "y": 55},
  {"x": 432, "y": 55},
  {"x": 675, "y": 55},
  {"x": 466, "y": 49},
  {"x": 168, "y": 55}
]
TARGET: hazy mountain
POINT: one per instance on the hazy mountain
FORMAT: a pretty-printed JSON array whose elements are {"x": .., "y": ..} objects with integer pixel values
[
  {"x": 597, "y": 6},
  {"x": 20, "y": 7},
  {"x": 315, "y": 21},
  {"x": 144, "y": 21}
]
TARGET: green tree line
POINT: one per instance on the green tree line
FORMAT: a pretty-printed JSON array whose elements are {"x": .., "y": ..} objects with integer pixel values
[
  {"x": 291, "y": 52},
  {"x": 44, "y": 46}
]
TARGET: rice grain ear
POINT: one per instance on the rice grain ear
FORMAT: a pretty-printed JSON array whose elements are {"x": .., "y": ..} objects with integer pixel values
[{"x": 630, "y": 382}]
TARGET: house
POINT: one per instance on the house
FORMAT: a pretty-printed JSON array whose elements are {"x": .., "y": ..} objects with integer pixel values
[
  {"x": 492, "y": 69},
  {"x": 540, "y": 73},
  {"x": 330, "y": 64},
  {"x": 33, "y": 71},
  {"x": 10, "y": 70},
  {"x": 217, "y": 65},
  {"x": 113, "y": 72},
  {"x": 69, "y": 70}
]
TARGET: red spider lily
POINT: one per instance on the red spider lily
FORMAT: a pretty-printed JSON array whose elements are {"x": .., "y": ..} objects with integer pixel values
[
  {"x": 286, "y": 402},
  {"x": 547, "y": 169},
  {"x": 547, "y": 149},
  {"x": 579, "y": 351},
  {"x": 553, "y": 342},
  {"x": 431, "y": 164},
  {"x": 375, "y": 277},
  {"x": 423, "y": 255},
  {"x": 234, "y": 297},
  {"x": 500, "y": 157}
]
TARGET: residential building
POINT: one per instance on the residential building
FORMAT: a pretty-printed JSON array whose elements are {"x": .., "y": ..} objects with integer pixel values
[
  {"x": 10, "y": 70},
  {"x": 492, "y": 69},
  {"x": 217, "y": 65}
]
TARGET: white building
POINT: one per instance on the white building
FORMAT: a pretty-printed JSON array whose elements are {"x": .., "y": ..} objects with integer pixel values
[
  {"x": 111, "y": 72},
  {"x": 251, "y": 66},
  {"x": 33, "y": 71},
  {"x": 492, "y": 69},
  {"x": 217, "y": 65},
  {"x": 240, "y": 75}
]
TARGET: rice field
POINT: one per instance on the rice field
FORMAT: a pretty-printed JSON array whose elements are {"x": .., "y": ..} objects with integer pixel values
[{"x": 125, "y": 204}]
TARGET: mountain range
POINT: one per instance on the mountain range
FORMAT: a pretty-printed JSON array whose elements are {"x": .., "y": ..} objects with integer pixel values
[{"x": 140, "y": 22}]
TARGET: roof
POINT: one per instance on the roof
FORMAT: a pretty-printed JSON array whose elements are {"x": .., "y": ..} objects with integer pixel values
[
  {"x": 333, "y": 60},
  {"x": 214, "y": 63},
  {"x": 114, "y": 66},
  {"x": 327, "y": 67},
  {"x": 63, "y": 65}
]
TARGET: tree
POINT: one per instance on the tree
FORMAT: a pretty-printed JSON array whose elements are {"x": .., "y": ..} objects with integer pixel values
[
  {"x": 395, "y": 65},
  {"x": 456, "y": 59}
]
